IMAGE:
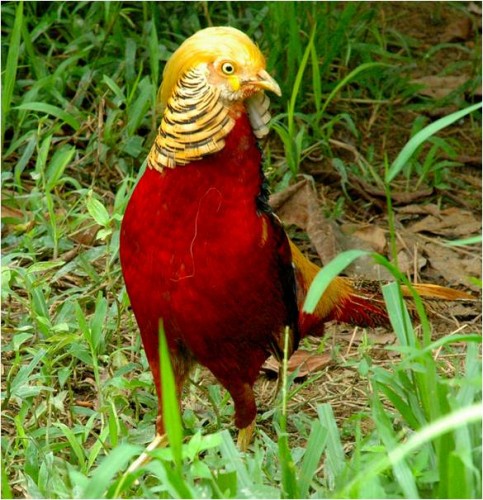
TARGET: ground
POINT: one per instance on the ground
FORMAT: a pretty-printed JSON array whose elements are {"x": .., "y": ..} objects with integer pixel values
[{"x": 339, "y": 203}]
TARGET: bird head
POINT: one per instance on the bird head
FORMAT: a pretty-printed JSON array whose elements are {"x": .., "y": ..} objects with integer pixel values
[
  {"x": 230, "y": 60},
  {"x": 213, "y": 77}
]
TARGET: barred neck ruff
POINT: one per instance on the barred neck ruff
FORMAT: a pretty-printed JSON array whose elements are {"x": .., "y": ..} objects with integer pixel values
[{"x": 198, "y": 118}]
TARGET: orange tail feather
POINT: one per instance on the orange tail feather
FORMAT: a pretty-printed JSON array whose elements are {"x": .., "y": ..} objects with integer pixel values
[{"x": 357, "y": 302}]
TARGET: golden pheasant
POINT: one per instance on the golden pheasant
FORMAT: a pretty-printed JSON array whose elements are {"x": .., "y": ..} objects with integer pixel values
[{"x": 200, "y": 248}]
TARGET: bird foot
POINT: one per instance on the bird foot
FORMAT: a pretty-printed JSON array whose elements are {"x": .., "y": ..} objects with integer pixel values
[
  {"x": 158, "y": 442},
  {"x": 245, "y": 436}
]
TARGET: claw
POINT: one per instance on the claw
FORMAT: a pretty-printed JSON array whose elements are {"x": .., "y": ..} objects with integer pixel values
[{"x": 245, "y": 436}]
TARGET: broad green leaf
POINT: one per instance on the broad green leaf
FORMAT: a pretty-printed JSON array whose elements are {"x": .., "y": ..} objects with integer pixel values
[
  {"x": 334, "y": 451},
  {"x": 49, "y": 109},
  {"x": 315, "y": 447},
  {"x": 424, "y": 134},
  {"x": 10, "y": 74},
  {"x": 326, "y": 275},
  {"x": 61, "y": 158},
  {"x": 111, "y": 465},
  {"x": 97, "y": 210}
]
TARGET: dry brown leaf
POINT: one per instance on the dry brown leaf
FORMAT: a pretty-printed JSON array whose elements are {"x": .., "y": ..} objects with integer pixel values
[
  {"x": 305, "y": 361},
  {"x": 474, "y": 161},
  {"x": 452, "y": 223},
  {"x": 372, "y": 234},
  {"x": 430, "y": 209},
  {"x": 459, "y": 30},
  {"x": 475, "y": 8},
  {"x": 13, "y": 218},
  {"x": 365, "y": 266},
  {"x": 405, "y": 262},
  {"x": 398, "y": 197},
  {"x": 86, "y": 234},
  {"x": 381, "y": 338},
  {"x": 70, "y": 254},
  {"x": 376, "y": 338},
  {"x": 12, "y": 213},
  {"x": 438, "y": 87},
  {"x": 298, "y": 204},
  {"x": 443, "y": 111},
  {"x": 454, "y": 269}
]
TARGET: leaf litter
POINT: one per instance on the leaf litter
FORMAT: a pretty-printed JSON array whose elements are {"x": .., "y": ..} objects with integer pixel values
[
  {"x": 423, "y": 228},
  {"x": 335, "y": 358}
]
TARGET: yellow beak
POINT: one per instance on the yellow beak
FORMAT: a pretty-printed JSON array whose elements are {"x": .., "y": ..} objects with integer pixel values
[{"x": 265, "y": 82}]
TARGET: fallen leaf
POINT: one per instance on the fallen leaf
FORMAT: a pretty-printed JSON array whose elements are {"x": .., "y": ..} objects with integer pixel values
[
  {"x": 449, "y": 265},
  {"x": 475, "y": 8},
  {"x": 474, "y": 161},
  {"x": 86, "y": 234},
  {"x": 398, "y": 197},
  {"x": 305, "y": 361},
  {"x": 381, "y": 338},
  {"x": 12, "y": 213},
  {"x": 298, "y": 204},
  {"x": 430, "y": 209},
  {"x": 459, "y": 30},
  {"x": 70, "y": 254},
  {"x": 13, "y": 219},
  {"x": 438, "y": 87},
  {"x": 440, "y": 112},
  {"x": 372, "y": 234},
  {"x": 452, "y": 223},
  {"x": 405, "y": 262},
  {"x": 365, "y": 267}
]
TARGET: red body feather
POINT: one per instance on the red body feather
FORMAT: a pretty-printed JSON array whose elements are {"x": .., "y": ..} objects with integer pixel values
[
  {"x": 198, "y": 252},
  {"x": 200, "y": 248}
]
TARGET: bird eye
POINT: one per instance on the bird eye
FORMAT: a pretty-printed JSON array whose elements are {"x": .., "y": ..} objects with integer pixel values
[{"x": 228, "y": 68}]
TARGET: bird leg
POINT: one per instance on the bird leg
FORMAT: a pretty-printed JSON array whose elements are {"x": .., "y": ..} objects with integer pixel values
[
  {"x": 245, "y": 412},
  {"x": 245, "y": 436},
  {"x": 160, "y": 441},
  {"x": 182, "y": 364}
]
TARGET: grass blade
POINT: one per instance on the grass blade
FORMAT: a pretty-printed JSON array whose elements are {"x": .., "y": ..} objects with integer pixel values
[
  {"x": 326, "y": 275},
  {"x": 50, "y": 109},
  {"x": 315, "y": 447},
  {"x": 402, "y": 472},
  {"x": 398, "y": 314},
  {"x": 424, "y": 134},
  {"x": 74, "y": 443},
  {"x": 346, "y": 80},
  {"x": 298, "y": 83},
  {"x": 171, "y": 415},
  {"x": 110, "y": 466},
  {"x": 290, "y": 487},
  {"x": 61, "y": 158},
  {"x": 437, "y": 428},
  {"x": 6, "y": 490},
  {"x": 232, "y": 456},
  {"x": 334, "y": 451},
  {"x": 10, "y": 74}
]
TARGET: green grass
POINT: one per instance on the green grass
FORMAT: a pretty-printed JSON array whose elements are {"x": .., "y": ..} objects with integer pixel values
[{"x": 79, "y": 86}]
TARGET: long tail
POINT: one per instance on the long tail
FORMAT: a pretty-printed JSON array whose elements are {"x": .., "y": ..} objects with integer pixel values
[{"x": 357, "y": 302}]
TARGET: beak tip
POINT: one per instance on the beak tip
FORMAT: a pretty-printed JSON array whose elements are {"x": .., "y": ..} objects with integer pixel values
[{"x": 266, "y": 82}]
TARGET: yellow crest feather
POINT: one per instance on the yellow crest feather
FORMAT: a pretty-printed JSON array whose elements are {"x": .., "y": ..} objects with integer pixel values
[{"x": 205, "y": 46}]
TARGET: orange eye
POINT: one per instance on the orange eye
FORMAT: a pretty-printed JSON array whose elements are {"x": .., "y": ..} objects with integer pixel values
[{"x": 228, "y": 68}]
